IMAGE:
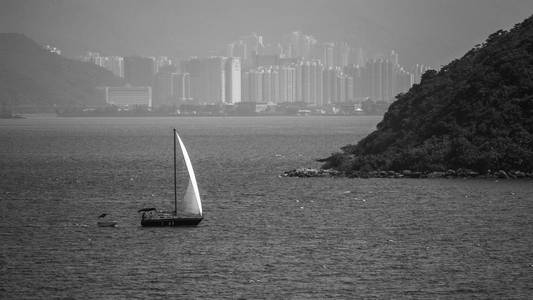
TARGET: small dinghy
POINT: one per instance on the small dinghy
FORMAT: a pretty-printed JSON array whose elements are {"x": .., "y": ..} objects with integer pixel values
[{"x": 105, "y": 223}]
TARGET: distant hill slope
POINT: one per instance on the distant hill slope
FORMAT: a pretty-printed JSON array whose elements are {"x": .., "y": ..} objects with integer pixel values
[
  {"x": 475, "y": 113},
  {"x": 32, "y": 76}
]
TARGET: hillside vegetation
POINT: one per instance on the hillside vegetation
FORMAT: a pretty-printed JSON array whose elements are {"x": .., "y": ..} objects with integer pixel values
[
  {"x": 476, "y": 113},
  {"x": 31, "y": 76}
]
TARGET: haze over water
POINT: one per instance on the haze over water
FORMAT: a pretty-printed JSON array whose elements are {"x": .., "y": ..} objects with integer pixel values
[{"x": 262, "y": 236}]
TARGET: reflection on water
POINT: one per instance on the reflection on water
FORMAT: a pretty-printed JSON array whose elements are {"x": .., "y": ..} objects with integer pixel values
[{"x": 262, "y": 236}]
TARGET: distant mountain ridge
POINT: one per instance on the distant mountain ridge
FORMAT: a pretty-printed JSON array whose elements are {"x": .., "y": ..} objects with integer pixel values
[
  {"x": 476, "y": 113},
  {"x": 31, "y": 76}
]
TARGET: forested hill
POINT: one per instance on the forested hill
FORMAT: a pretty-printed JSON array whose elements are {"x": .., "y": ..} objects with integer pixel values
[
  {"x": 475, "y": 113},
  {"x": 32, "y": 76}
]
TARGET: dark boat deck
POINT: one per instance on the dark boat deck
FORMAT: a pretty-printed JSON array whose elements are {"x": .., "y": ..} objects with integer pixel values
[{"x": 162, "y": 219}]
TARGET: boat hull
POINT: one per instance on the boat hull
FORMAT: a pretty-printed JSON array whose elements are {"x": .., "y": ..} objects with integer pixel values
[
  {"x": 171, "y": 222},
  {"x": 107, "y": 224}
]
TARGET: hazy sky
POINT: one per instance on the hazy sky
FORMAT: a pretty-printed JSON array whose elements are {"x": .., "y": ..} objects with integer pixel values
[{"x": 426, "y": 31}]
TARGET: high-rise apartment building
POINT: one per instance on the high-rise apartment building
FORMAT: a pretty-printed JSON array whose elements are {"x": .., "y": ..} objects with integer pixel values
[
  {"x": 115, "y": 64},
  {"x": 163, "y": 87},
  {"x": 311, "y": 82},
  {"x": 255, "y": 86},
  {"x": 215, "y": 85},
  {"x": 342, "y": 54},
  {"x": 139, "y": 71},
  {"x": 305, "y": 82},
  {"x": 193, "y": 67},
  {"x": 379, "y": 79},
  {"x": 287, "y": 84},
  {"x": 161, "y": 62},
  {"x": 267, "y": 85},
  {"x": 330, "y": 85},
  {"x": 274, "y": 85},
  {"x": 340, "y": 91},
  {"x": 328, "y": 55},
  {"x": 240, "y": 50},
  {"x": 299, "y": 82},
  {"x": 208, "y": 79},
  {"x": 316, "y": 82},
  {"x": 418, "y": 70},
  {"x": 233, "y": 80},
  {"x": 181, "y": 86},
  {"x": 349, "y": 91},
  {"x": 252, "y": 45},
  {"x": 297, "y": 44},
  {"x": 271, "y": 49}
]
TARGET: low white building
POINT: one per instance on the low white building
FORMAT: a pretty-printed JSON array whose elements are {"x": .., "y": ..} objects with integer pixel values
[{"x": 129, "y": 95}]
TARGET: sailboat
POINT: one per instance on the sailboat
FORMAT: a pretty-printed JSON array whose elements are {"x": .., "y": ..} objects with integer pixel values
[{"x": 190, "y": 212}]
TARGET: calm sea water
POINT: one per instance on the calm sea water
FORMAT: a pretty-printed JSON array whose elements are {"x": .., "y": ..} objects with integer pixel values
[{"x": 262, "y": 236}]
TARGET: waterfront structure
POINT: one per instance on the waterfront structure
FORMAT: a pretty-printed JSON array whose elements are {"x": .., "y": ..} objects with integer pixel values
[{"x": 128, "y": 96}]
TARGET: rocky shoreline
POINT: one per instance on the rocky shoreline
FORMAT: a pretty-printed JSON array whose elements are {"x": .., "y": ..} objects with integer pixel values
[{"x": 459, "y": 173}]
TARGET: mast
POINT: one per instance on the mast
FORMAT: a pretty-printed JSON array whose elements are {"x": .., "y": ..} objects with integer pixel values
[{"x": 175, "y": 184}]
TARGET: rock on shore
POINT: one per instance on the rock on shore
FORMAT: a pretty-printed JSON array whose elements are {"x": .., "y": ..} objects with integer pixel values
[
  {"x": 310, "y": 172},
  {"x": 459, "y": 173}
]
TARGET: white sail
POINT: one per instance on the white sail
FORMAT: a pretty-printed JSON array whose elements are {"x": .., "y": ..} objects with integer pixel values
[{"x": 191, "y": 202}]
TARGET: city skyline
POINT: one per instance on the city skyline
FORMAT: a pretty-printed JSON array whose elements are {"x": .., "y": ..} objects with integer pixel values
[
  {"x": 294, "y": 66},
  {"x": 297, "y": 68},
  {"x": 426, "y": 32},
  {"x": 301, "y": 69}
]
